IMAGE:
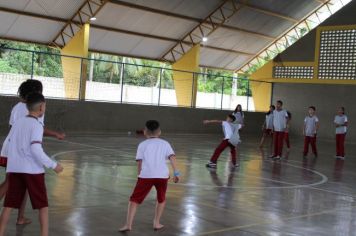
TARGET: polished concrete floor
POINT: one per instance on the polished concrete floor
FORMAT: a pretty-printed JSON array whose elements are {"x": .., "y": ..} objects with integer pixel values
[{"x": 262, "y": 197}]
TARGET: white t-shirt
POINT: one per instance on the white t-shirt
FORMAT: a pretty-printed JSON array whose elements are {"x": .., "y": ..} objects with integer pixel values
[
  {"x": 310, "y": 125},
  {"x": 235, "y": 136},
  {"x": 239, "y": 117},
  {"x": 269, "y": 121},
  {"x": 25, "y": 153},
  {"x": 18, "y": 111},
  {"x": 340, "y": 120},
  {"x": 280, "y": 120},
  {"x": 227, "y": 129},
  {"x": 154, "y": 153}
]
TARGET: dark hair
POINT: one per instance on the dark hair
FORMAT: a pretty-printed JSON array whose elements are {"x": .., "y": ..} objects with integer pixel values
[
  {"x": 30, "y": 86},
  {"x": 232, "y": 117},
  {"x": 343, "y": 110},
  {"x": 312, "y": 107},
  {"x": 238, "y": 105},
  {"x": 152, "y": 125},
  {"x": 280, "y": 102},
  {"x": 269, "y": 111},
  {"x": 289, "y": 115},
  {"x": 33, "y": 100}
]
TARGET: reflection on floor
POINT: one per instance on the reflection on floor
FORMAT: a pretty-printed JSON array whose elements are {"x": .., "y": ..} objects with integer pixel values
[{"x": 261, "y": 197}]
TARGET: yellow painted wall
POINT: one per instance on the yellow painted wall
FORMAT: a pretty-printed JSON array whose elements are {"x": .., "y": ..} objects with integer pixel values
[
  {"x": 262, "y": 91},
  {"x": 184, "y": 84},
  {"x": 72, "y": 67}
]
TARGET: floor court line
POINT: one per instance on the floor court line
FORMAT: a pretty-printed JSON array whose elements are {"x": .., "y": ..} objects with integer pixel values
[
  {"x": 264, "y": 222},
  {"x": 324, "y": 178},
  {"x": 252, "y": 189}
]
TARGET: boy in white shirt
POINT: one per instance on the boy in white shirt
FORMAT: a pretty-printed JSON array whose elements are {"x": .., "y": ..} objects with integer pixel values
[
  {"x": 310, "y": 128},
  {"x": 229, "y": 130},
  {"x": 280, "y": 123},
  {"x": 341, "y": 123},
  {"x": 19, "y": 111},
  {"x": 152, "y": 155},
  {"x": 26, "y": 162}
]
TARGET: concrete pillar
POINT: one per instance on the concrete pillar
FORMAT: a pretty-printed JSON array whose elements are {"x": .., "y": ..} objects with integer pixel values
[
  {"x": 185, "y": 84},
  {"x": 75, "y": 69},
  {"x": 262, "y": 91}
]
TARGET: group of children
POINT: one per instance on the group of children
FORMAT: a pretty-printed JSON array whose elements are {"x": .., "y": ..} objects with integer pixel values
[
  {"x": 277, "y": 122},
  {"x": 276, "y": 126},
  {"x": 25, "y": 158}
]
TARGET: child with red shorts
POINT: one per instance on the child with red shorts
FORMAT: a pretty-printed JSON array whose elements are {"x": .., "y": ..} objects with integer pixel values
[
  {"x": 280, "y": 126},
  {"x": 26, "y": 162},
  {"x": 19, "y": 111},
  {"x": 341, "y": 123},
  {"x": 151, "y": 158},
  {"x": 310, "y": 129},
  {"x": 267, "y": 127},
  {"x": 230, "y": 133}
]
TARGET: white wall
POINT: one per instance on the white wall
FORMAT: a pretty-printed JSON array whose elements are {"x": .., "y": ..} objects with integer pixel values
[{"x": 54, "y": 87}]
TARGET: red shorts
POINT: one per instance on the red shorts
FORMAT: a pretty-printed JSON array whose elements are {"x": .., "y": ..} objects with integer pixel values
[
  {"x": 143, "y": 187},
  {"x": 3, "y": 161},
  {"x": 267, "y": 131},
  {"x": 19, "y": 183}
]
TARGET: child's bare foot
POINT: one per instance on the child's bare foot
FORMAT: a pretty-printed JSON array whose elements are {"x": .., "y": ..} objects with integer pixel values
[
  {"x": 157, "y": 227},
  {"x": 125, "y": 229},
  {"x": 23, "y": 221}
]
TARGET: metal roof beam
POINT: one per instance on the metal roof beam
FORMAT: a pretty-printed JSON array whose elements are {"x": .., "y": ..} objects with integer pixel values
[
  {"x": 184, "y": 17},
  {"x": 177, "y": 41},
  {"x": 215, "y": 19},
  {"x": 56, "y": 19},
  {"x": 87, "y": 10},
  {"x": 270, "y": 13}
]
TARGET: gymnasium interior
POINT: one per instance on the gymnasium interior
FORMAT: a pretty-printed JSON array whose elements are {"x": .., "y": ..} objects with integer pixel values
[{"x": 108, "y": 66}]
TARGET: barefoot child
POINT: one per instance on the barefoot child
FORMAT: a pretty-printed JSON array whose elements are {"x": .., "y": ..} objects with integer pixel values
[
  {"x": 19, "y": 111},
  {"x": 310, "y": 128},
  {"x": 26, "y": 162},
  {"x": 151, "y": 158},
  {"x": 267, "y": 126},
  {"x": 341, "y": 123},
  {"x": 229, "y": 130}
]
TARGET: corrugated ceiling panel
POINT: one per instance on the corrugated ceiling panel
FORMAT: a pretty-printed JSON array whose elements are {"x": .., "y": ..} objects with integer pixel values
[
  {"x": 120, "y": 17},
  {"x": 6, "y": 20},
  {"x": 214, "y": 58},
  {"x": 292, "y": 8},
  {"x": 237, "y": 62},
  {"x": 33, "y": 29},
  {"x": 58, "y": 8},
  {"x": 193, "y": 8},
  {"x": 127, "y": 44},
  {"x": 225, "y": 38},
  {"x": 258, "y": 22}
]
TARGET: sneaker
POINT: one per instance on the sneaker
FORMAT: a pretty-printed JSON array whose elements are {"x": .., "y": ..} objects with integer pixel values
[
  {"x": 277, "y": 158},
  {"x": 272, "y": 156},
  {"x": 211, "y": 165},
  {"x": 337, "y": 157},
  {"x": 236, "y": 165},
  {"x": 341, "y": 158}
]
